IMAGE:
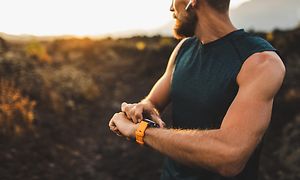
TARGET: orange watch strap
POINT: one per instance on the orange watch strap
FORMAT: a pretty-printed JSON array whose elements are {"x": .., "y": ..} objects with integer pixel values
[{"x": 140, "y": 132}]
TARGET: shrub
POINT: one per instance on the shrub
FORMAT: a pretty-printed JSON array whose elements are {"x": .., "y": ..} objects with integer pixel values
[
  {"x": 38, "y": 51},
  {"x": 67, "y": 86},
  {"x": 16, "y": 111},
  {"x": 3, "y": 46},
  {"x": 22, "y": 72}
]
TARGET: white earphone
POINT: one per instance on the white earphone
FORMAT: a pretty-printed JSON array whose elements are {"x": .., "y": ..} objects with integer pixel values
[{"x": 188, "y": 5}]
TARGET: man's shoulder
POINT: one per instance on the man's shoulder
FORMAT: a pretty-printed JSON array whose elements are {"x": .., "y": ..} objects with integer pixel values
[
  {"x": 179, "y": 48},
  {"x": 248, "y": 44},
  {"x": 185, "y": 42},
  {"x": 263, "y": 68},
  {"x": 251, "y": 39},
  {"x": 263, "y": 60}
]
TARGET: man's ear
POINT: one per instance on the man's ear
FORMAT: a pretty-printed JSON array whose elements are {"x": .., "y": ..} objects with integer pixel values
[{"x": 194, "y": 3}]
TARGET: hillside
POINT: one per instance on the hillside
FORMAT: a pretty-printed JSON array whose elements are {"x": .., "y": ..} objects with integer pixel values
[
  {"x": 267, "y": 15},
  {"x": 56, "y": 98}
]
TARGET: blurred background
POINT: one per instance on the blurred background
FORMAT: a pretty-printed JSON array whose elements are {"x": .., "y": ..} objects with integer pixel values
[{"x": 66, "y": 66}]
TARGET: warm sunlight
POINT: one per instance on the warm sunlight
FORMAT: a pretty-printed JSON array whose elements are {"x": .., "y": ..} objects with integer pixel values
[
  {"x": 107, "y": 90},
  {"x": 79, "y": 17}
]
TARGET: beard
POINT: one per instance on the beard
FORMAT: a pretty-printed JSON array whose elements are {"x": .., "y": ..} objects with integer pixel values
[{"x": 185, "y": 24}]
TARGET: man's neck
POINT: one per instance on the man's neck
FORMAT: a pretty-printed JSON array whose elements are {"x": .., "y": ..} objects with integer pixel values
[{"x": 212, "y": 26}]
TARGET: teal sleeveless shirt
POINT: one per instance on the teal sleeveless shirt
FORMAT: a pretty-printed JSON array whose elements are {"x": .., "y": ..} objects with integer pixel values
[{"x": 203, "y": 87}]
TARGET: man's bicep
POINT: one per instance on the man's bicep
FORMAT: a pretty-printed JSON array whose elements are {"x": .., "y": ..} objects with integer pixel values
[
  {"x": 249, "y": 114},
  {"x": 262, "y": 74},
  {"x": 247, "y": 119}
]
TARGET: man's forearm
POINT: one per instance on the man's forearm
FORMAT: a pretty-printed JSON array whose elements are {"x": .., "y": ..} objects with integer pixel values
[{"x": 205, "y": 148}]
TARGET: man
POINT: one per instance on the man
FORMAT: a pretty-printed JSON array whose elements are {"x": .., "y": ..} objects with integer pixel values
[{"x": 221, "y": 82}]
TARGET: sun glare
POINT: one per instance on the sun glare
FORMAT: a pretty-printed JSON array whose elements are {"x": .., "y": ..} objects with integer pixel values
[{"x": 79, "y": 17}]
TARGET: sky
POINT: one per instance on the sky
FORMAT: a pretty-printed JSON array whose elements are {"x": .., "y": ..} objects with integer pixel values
[{"x": 84, "y": 17}]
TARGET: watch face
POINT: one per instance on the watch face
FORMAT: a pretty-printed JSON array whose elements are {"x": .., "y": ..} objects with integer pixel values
[{"x": 151, "y": 123}]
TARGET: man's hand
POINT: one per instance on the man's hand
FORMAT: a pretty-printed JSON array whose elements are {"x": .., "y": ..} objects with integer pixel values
[
  {"x": 158, "y": 98},
  {"x": 135, "y": 112},
  {"x": 121, "y": 125}
]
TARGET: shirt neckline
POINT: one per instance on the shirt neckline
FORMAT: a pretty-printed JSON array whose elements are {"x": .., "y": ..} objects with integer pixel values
[{"x": 221, "y": 39}]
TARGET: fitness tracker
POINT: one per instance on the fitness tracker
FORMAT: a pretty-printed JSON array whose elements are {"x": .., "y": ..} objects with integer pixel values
[
  {"x": 140, "y": 132},
  {"x": 151, "y": 123}
]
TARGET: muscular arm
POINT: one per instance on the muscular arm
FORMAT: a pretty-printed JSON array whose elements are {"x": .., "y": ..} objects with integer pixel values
[
  {"x": 159, "y": 95},
  {"x": 226, "y": 150}
]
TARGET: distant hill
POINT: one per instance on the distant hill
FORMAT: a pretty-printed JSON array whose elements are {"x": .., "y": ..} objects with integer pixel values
[
  {"x": 267, "y": 15},
  {"x": 20, "y": 37},
  {"x": 27, "y": 37}
]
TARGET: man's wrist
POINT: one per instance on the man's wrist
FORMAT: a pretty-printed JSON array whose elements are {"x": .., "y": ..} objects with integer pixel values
[
  {"x": 146, "y": 101},
  {"x": 135, "y": 127},
  {"x": 150, "y": 104}
]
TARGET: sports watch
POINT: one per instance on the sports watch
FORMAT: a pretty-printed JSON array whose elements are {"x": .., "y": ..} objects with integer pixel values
[{"x": 140, "y": 132}]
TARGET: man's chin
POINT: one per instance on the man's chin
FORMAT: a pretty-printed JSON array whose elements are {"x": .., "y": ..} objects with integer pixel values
[
  {"x": 177, "y": 30},
  {"x": 181, "y": 31},
  {"x": 176, "y": 35}
]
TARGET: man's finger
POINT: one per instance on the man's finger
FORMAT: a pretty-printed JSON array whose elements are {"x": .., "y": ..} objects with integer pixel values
[
  {"x": 111, "y": 124},
  {"x": 126, "y": 108},
  {"x": 132, "y": 115},
  {"x": 123, "y": 105},
  {"x": 114, "y": 128},
  {"x": 139, "y": 113},
  {"x": 158, "y": 120},
  {"x": 118, "y": 133}
]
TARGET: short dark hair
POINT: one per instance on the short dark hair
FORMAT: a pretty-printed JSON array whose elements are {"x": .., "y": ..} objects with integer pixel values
[{"x": 219, "y": 5}]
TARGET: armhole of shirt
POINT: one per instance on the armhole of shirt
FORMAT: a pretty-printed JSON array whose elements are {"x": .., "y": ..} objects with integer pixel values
[{"x": 182, "y": 44}]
